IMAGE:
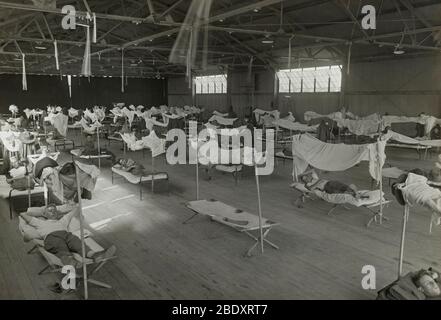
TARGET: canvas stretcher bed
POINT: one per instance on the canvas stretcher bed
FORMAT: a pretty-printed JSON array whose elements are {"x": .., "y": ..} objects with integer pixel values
[
  {"x": 233, "y": 169},
  {"x": 55, "y": 265},
  {"x": 237, "y": 219},
  {"x": 63, "y": 142},
  {"x": 373, "y": 200},
  {"x": 135, "y": 179},
  {"x": 420, "y": 149},
  {"x": 10, "y": 193},
  {"x": 282, "y": 156},
  {"x": 77, "y": 153}
]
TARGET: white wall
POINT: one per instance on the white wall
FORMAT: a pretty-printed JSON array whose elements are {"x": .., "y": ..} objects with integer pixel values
[{"x": 399, "y": 87}]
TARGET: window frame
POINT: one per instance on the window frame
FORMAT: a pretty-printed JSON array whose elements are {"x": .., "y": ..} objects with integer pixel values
[
  {"x": 311, "y": 79},
  {"x": 211, "y": 84}
]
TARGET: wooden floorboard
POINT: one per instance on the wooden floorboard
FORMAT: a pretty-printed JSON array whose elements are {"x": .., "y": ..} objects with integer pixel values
[{"x": 159, "y": 257}]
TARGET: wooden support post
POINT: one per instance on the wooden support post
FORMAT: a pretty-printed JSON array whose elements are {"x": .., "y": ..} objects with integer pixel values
[
  {"x": 403, "y": 237},
  {"x": 259, "y": 206},
  {"x": 98, "y": 146},
  {"x": 381, "y": 180},
  {"x": 153, "y": 173},
  {"x": 29, "y": 188},
  {"x": 197, "y": 168},
  {"x": 83, "y": 245},
  {"x": 45, "y": 192}
]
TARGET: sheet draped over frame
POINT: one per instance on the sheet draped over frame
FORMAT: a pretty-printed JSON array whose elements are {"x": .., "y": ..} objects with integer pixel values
[
  {"x": 59, "y": 121},
  {"x": 294, "y": 126},
  {"x": 308, "y": 150},
  {"x": 221, "y": 120},
  {"x": 152, "y": 142}
]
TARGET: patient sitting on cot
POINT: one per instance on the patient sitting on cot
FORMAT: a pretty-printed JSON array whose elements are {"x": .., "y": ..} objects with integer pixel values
[
  {"x": 53, "y": 229},
  {"x": 312, "y": 182}
]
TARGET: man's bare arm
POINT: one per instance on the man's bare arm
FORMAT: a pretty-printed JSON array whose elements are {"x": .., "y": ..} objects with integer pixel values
[
  {"x": 26, "y": 217},
  {"x": 68, "y": 217}
]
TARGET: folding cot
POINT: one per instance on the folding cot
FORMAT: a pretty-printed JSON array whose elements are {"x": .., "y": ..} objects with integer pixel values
[
  {"x": 420, "y": 149},
  {"x": 235, "y": 218},
  {"x": 54, "y": 263},
  {"x": 135, "y": 179},
  {"x": 368, "y": 199},
  {"x": 77, "y": 153},
  {"x": 311, "y": 152}
]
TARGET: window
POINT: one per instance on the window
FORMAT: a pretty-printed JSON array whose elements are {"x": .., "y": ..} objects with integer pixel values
[
  {"x": 322, "y": 79},
  {"x": 318, "y": 79},
  {"x": 335, "y": 79},
  {"x": 211, "y": 84},
  {"x": 284, "y": 81},
  {"x": 308, "y": 75}
]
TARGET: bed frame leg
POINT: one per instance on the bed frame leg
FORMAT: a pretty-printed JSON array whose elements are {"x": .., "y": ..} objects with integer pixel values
[
  {"x": 99, "y": 283},
  {"x": 42, "y": 271},
  {"x": 188, "y": 220},
  {"x": 377, "y": 218},
  {"x": 332, "y": 209},
  {"x": 265, "y": 234},
  {"x": 32, "y": 249},
  {"x": 300, "y": 199},
  {"x": 10, "y": 204}
]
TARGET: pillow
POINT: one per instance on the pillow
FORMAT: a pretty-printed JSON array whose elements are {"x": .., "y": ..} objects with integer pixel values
[{"x": 29, "y": 233}]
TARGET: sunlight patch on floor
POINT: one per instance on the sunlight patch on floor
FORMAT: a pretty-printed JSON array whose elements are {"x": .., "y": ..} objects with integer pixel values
[{"x": 98, "y": 225}]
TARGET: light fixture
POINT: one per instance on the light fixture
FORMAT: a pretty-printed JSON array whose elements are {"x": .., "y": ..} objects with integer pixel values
[
  {"x": 267, "y": 40},
  {"x": 40, "y": 48},
  {"x": 256, "y": 9},
  {"x": 398, "y": 49}
]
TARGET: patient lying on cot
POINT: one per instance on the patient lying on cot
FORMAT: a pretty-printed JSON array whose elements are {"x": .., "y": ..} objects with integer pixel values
[
  {"x": 312, "y": 182},
  {"x": 131, "y": 166},
  {"x": 89, "y": 148},
  {"x": 53, "y": 228}
]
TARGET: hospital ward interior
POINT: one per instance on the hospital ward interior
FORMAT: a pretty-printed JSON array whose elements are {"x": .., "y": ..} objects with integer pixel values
[{"x": 220, "y": 150}]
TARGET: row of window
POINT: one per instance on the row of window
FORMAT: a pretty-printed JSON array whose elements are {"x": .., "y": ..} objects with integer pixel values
[
  {"x": 318, "y": 79},
  {"x": 211, "y": 84}
]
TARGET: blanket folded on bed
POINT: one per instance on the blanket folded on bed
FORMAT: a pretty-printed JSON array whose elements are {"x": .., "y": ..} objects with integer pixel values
[{"x": 416, "y": 191}]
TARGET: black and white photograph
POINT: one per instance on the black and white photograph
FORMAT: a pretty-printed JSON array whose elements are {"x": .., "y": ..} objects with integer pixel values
[{"x": 214, "y": 157}]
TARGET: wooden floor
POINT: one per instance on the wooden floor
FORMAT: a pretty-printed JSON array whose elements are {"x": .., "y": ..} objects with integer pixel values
[{"x": 320, "y": 256}]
